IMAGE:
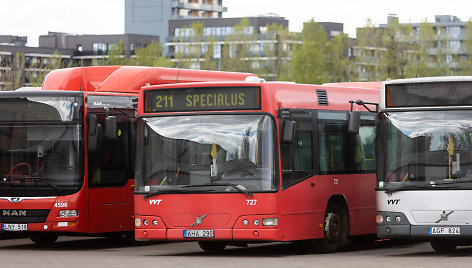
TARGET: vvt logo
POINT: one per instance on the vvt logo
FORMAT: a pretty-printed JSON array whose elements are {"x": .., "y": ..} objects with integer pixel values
[
  {"x": 155, "y": 202},
  {"x": 393, "y": 201}
]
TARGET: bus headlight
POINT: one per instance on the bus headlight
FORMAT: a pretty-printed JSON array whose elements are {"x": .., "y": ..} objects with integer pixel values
[
  {"x": 137, "y": 222},
  {"x": 270, "y": 221},
  {"x": 379, "y": 218},
  {"x": 68, "y": 213}
]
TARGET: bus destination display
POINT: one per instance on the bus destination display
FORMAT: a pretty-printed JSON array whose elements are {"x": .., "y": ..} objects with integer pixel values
[
  {"x": 202, "y": 99},
  {"x": 429, "y": 94}
]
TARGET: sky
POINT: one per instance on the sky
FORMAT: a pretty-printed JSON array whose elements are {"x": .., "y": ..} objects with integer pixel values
[{"x": 36, "y": 17}]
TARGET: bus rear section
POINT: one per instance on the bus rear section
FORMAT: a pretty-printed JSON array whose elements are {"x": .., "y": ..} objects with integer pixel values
[
  {"x": 425, "y": 161},
  {"x": 245, "y": 162},
  {"x": 67, "y": 150}
]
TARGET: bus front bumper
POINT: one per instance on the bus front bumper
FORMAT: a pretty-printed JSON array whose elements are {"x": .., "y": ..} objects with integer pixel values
[
  {"x": 396, "y": 225},
  {"x": 218, "y": 234}
]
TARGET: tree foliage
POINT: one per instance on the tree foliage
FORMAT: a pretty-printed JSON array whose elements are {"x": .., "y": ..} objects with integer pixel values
[
  {"x": 309, "y": 59},
  {"x": 14, "y": 77},
  {"x": 151, "y": 55}
]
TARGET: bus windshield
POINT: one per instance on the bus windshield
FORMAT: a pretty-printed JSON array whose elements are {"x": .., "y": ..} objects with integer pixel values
[
  {"x": 211, "y": 151},
  {"x": 40, "y": 141},
  {"x": 425, "y": 148}
]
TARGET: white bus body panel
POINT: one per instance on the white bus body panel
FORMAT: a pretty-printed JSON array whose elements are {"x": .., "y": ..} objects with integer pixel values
[{"x": 439, "y": 214}]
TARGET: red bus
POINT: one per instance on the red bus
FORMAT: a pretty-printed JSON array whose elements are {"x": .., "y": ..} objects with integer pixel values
[
  {"x": 232, "y": 163},
  {"x": 67, "y": 150}
]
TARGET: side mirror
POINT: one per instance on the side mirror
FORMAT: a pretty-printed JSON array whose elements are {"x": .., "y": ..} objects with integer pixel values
[
  {"x": 288, "y": 131},
  {"x": 110, "y": 128},
  {"x": 92, "y": 124},
  {"x": 354, "y": 122},
  {"x": 94, "y": 141}
]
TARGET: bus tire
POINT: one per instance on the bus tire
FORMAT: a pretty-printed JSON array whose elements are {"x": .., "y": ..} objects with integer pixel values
[
  {"x": 335, "y": 229},
  {"x": 212, "y": 246},
  {"x": 44, "y": 239},
  {"x": 443, "y": 245}
]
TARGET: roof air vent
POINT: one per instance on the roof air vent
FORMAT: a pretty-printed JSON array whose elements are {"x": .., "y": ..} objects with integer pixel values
[{"x": 322, "y": 97}]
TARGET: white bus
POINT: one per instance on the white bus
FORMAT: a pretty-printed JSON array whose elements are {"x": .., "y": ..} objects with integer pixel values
[{"x": 424, "y": 163}]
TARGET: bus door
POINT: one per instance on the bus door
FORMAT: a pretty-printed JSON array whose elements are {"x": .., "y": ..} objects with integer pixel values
[
  {"x": 110, "y": 169},
  {"x": 298, "y": 167}
]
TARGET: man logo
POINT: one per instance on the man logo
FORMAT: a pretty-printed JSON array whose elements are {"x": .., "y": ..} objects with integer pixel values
[
  {"x": 14, "y": 213},
  {"x": 15, "y": 199}
]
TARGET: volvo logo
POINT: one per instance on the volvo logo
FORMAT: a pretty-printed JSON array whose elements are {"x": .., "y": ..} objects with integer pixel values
[
  {"x": 444, "y": 216},
  {"x": 14, "y": 213},
  {"x": 199, "y": 220}
]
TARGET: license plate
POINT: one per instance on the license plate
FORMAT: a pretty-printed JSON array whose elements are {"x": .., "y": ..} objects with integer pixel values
[
  {"x": 14, "y": 227},
  {"x": 444, "y": 230},
  {"x": 199, "y": 233}
]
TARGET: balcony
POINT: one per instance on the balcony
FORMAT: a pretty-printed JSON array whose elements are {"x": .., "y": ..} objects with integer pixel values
[{"x": 202, "y": 7}]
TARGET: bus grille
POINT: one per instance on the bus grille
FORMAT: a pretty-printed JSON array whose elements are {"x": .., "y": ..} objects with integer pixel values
[{"x": 23, "y": 215}]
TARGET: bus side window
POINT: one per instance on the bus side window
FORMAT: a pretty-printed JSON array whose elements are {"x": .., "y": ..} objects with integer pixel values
[
  {"x": 297, "y": 157},
  {"x": 332, "y": 127}
]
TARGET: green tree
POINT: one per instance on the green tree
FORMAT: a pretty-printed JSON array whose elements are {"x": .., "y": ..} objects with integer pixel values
[
  {"x": 368, "y": 52},
  {"x": 276, "y": 53},
  {"x": 209, "y": 62},
  {"x": 339, "y": 66},
  {"x": 41, "y": 69},
  {"x": 14, "y": 78},
  {"x": 398, "y": 60},
  {"x": 439, "y": 51},
  {"x": 236, "y": 51},
  {"x": 116, "y": 55},
  {"x": 308, "y": 63},
  {"x": 466, "y": 61},
  {"x": 426, "y": 39},
  {"x": 150, "y": 55}
]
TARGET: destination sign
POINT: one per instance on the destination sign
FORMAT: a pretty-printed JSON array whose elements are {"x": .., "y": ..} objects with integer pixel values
[
  {"x": 429, "y": 94},
  {"x": 202, "y": 99}
]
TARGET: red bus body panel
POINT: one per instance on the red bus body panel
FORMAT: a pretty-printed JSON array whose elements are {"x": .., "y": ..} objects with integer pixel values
[
  {"x": 129, "y": 79},
  {"x": 103, "y": 210},
  {"x": 300, "y": 209}
]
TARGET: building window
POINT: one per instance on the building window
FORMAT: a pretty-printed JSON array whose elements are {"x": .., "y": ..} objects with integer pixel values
[
  {"x": 217, "y": 51},
  {"x": 100, "y": 48}
]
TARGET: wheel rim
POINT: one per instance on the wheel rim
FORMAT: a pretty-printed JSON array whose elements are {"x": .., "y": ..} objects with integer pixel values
[{"x": 333, "y": 227}]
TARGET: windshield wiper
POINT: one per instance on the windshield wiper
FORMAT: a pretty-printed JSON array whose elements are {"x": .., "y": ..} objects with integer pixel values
[
  {"x": 43, "y": 179},
  {"x": 170, "y": 191},
  {"x": 446, "y": 185},
  {"x": 451, "y": 182},
  {"x": 237, "y": 187}
]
